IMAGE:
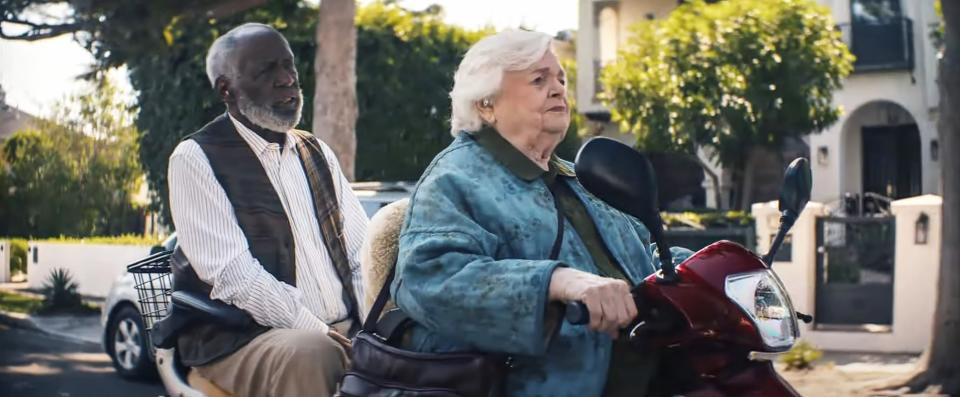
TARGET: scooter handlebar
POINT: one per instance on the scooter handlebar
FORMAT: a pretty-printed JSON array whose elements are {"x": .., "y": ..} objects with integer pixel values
[{"x": 577, "y": 313}]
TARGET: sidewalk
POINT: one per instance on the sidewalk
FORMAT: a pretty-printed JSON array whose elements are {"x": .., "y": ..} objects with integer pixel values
[
  {"x": 844, "y": 374},
  {"x": 78, "y": 328}
]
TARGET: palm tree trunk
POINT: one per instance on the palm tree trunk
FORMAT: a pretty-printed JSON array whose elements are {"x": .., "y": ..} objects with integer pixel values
[
  {"x": 717, "y": 195},
  {"x": 749, "y": 175},
  {"x": 941, "y": 362},
  {"x": 335, "y": 97}
]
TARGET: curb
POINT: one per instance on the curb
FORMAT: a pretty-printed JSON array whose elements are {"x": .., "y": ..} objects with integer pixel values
[{"x": 23, "y": 321}]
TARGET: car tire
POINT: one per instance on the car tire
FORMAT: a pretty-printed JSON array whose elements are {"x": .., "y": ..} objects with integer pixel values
[{"x": 126, "y": 344}]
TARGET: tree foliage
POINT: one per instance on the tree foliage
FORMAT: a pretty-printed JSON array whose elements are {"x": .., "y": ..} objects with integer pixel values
[
  {"x": 75, "y": 173},
  {"x": 730, "y": 76},
  {"x": 405, "y": 67}
]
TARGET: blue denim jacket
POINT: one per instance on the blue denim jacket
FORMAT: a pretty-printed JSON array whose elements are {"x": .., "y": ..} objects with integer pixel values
[{"x": 473, "y": 270}]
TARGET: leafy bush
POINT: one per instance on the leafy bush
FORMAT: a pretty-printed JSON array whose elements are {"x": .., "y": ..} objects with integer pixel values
[
  {"x": 801, "y": 356},
  {"x": 126, "y": 239},
  {"x": 60, "y": 293},
  {"x": 705, "y": 220}
]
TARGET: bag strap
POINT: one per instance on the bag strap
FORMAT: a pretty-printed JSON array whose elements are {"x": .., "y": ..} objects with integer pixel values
[{"x": 370, "y": 323}]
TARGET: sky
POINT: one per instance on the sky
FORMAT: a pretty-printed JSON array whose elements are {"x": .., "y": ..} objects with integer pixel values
[{"x": 35, "y": 75}]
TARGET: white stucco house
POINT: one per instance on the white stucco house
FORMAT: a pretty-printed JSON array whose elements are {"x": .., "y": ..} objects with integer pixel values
[
  {"x": 869, "y": 281},
  {"x": 886, "y": 141}
]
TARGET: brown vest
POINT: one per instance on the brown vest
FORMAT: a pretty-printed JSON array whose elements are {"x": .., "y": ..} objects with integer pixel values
[{"x": 265, "y": 225}]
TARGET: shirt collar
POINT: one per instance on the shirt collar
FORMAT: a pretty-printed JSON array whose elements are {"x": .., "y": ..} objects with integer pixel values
[
  {"x": 257, "y": 143},
  {"x": 515, "y": 161}
]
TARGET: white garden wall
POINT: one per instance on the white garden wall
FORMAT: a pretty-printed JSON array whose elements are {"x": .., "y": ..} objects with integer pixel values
[
  {"x": 94, "y": 267},
  {"x": 5, "y": 261},
  {"x": 916, "y": 270}
]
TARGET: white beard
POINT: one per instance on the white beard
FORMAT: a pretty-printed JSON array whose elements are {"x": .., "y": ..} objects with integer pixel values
[{"x": 264, "y": 117}]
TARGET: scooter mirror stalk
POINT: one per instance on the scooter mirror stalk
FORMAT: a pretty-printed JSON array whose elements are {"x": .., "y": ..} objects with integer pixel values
[
  {"x": 794, "y": 195},
  {"x": 624, "y": 178}
]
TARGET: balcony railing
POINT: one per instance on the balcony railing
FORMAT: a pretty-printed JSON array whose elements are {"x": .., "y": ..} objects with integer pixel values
[{"x": 880, "y": 46}]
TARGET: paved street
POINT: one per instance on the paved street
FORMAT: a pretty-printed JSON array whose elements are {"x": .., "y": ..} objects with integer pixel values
[{"x": 33, "y": 364}]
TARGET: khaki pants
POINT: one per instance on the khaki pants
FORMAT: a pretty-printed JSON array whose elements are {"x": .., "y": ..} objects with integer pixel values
[{"x": 282, "y": 363}]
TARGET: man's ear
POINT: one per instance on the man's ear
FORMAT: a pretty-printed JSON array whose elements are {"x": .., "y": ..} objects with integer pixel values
[{"x": 223, "y": 89}]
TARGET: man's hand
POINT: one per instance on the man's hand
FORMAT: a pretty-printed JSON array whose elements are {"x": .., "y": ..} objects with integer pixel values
[
  {"x": 608, "y": 300},
  {"x": 342, "y": 340}
]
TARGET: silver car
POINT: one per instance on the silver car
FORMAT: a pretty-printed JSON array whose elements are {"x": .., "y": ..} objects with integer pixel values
[{"x": 124, "y": 339}]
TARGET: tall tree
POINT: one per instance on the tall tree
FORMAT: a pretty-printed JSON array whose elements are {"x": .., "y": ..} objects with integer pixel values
[
  {"x": 335, "y": 96},
  {"x": 734, "y": 77},
  {"x": 939, "y": 364}
]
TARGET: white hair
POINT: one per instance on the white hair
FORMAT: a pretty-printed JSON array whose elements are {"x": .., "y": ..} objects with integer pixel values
[
  {"x": 480, "y": 73},
  {"x": 220, "y": 62}
]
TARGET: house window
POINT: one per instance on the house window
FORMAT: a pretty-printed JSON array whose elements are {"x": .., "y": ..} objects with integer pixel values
[
  {"x": 608, "y": 34},
  {"x": 875, "y": 11}
]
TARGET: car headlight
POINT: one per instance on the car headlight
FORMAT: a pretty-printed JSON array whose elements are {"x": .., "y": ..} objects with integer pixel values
[{"x": 761, "y": 295}]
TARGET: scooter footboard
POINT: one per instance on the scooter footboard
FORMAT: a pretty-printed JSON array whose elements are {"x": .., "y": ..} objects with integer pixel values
[
  {"x": 758, "y": 379},
  {"x": 172, "y": 380}
]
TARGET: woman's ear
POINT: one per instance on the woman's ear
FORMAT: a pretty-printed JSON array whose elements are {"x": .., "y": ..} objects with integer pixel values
[{"x": 485, "y": 108}]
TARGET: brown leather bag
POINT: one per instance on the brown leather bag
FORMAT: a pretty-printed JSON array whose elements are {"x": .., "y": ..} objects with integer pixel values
[{"x": 380, "y": 368}]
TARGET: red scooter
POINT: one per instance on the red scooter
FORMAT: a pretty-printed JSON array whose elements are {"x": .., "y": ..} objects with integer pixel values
[{"x": 720, "y": 317}]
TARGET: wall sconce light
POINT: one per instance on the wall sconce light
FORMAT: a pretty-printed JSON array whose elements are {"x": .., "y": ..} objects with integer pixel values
[
  {"x": 922, "y": 229},
  {"x": 934, "y": 150},
  {"x": 822, "y": 155}
]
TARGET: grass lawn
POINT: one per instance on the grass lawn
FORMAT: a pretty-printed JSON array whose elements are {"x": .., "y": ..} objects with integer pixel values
[
  {"x": 13, "y": 302},
  {"x": 19, "y": 303}
]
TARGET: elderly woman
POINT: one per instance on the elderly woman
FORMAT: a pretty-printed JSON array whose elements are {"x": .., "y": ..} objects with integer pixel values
[{"x": 474, "y": 268}]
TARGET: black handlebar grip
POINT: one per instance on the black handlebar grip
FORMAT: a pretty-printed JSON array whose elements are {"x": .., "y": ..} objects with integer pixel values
[{"x": 577, "y": 313}]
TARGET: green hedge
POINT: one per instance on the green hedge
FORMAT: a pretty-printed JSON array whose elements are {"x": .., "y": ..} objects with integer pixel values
[
  {"x": 126, "y": 239},
  {"x": 707, "y": 220}
]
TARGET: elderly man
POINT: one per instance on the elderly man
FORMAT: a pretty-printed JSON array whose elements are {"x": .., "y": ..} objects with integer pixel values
[{"x": 267, "y": 222}]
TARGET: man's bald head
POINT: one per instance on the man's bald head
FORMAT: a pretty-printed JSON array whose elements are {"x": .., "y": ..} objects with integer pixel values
[
  {"x": 221, "y": 60},
  {"x": 252, "y": 69}
]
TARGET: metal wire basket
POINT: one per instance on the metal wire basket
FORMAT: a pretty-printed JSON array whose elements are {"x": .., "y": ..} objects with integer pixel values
[{"x": 153, "y": 282}]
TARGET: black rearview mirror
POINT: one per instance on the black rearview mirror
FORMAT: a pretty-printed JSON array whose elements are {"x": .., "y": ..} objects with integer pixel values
[
  {"x": 797, "y": 182},
  {"x": 624, "y": 178},
  {"x": 794, "y": 195}
]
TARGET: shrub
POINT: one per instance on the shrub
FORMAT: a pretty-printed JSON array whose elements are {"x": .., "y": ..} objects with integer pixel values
[
  {"x": 60, "y": 293},
  {"x": 709, "y": 219},
  {"x": 801, "y": 356}
]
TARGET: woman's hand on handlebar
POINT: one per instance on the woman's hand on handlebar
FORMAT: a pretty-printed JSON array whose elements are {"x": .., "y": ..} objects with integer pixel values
[{"x": 608, "y": 301}]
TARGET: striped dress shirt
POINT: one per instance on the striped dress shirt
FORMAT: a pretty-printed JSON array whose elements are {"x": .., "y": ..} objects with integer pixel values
[{"x": 212, "y": 240}]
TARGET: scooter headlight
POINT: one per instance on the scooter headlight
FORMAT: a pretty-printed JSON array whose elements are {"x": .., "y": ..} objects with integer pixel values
[{"x": 761, "y": 295}]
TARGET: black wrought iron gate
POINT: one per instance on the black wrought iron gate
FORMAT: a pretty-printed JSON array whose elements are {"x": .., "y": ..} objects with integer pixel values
[{"x": 855, "y": 270}]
